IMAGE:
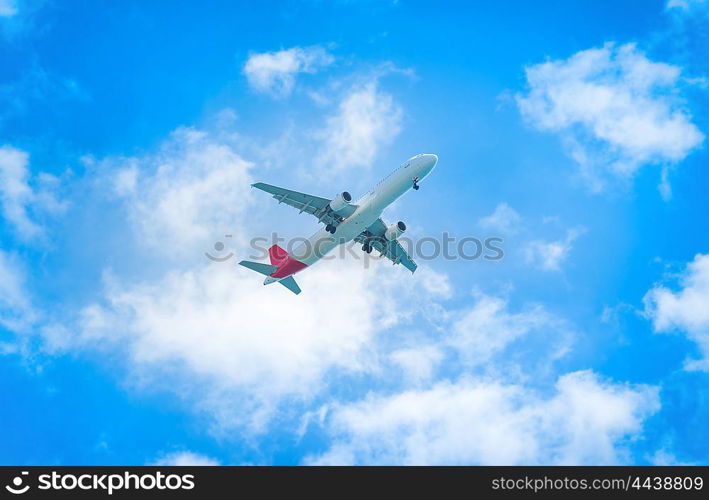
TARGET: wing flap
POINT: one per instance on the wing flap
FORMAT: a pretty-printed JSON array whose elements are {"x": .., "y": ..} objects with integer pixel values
[{"x": 302, "y": 201}]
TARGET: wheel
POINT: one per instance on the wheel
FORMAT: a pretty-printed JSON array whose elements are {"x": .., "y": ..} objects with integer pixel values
[
  {"x": 416, "y": 187},
  {"x": 330, "y": 228},
  {"x": 369, "y": 249},
  {"x": 364, "y": 247}
]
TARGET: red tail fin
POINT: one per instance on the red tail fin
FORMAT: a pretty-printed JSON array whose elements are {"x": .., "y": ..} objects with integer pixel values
[{"x": 277, "y": 255}]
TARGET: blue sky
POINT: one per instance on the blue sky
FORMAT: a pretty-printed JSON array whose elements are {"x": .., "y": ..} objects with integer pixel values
[{"x": 130, "y": 133}]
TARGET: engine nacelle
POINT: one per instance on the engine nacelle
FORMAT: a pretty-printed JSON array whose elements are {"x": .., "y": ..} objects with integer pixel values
[
  {"x": 394, "y": 231},
  {"x": 341, "y": 201}
]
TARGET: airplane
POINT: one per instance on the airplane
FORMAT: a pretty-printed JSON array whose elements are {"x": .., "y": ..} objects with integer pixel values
[{"x": 360, "y": 221}]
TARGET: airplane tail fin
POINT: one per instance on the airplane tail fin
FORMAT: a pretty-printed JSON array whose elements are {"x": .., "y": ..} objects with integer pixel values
[
  {"x": 265, "y": 269},
  {"x": 277, "y": 255}
]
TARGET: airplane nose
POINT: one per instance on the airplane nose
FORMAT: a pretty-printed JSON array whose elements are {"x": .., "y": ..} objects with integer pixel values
[{"x": 429, "y": 161}]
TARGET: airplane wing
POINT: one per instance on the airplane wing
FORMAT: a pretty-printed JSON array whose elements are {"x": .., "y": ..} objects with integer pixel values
[
  {"x": 392, "y": 250},
  {"x": 314, "y": 205}
]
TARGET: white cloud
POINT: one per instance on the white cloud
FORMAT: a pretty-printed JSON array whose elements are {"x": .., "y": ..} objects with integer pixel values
[
  {"x": 664, "y": 186},
  {"x": 488, "y": 328},
  {"x": 226, "y": 331},
  {"x": 585, "y": 421},
  {"x": 274, "y": 72},
  {"x": 504, "y": 219},
  {"x": 185, "y": 458},
  {"x": 616, "y": 110},
  {"x": 434, "y": 283},
  {"x": 16, "y": 311},
  {"x": 193, "y": 188},
  {"x": 18, "y": 198},
  {"x": 409, "y": 295},
  {"x": 548, "y": 255},
  {"x": 685, "y": 5},
  {"x": 221, "y": 337},
  {"x": 366, "y": 120},
  {"x": 686, "y": 309},
  {"x": 8, "y": 8},
  {"x": 418, "y": 363},
  {"x": 663, "y": 457},
  {"x": 126, "y": 179}
]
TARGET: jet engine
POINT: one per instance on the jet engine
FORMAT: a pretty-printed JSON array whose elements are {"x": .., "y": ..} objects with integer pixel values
[
  {"x": 340, "y": 201},
  {"x": 394, "y": 231}
]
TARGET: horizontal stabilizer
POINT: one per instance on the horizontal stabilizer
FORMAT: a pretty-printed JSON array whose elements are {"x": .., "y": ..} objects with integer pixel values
[
  {"x": 265, "y": 269},
  {"x": 290, "y": 284}
]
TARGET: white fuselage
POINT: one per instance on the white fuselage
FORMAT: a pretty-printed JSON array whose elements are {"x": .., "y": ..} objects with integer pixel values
[{"x": 369, "y": 209}]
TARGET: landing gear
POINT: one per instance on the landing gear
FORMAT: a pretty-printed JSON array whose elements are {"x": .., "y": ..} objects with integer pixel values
[
  {"x": 416, "y": 183},
  {"x": 330, "y": 229},
  {"x": 367, "y": 248}
]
